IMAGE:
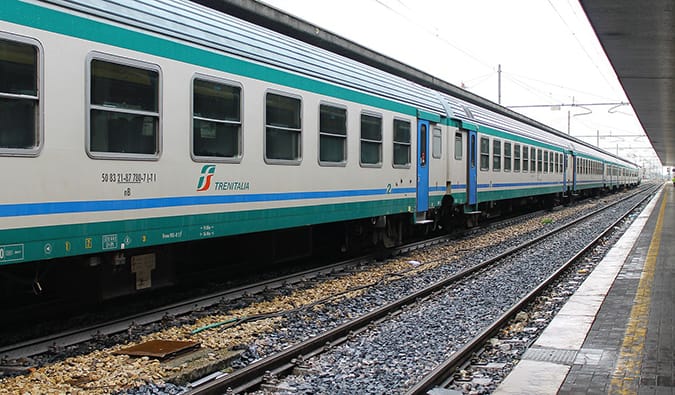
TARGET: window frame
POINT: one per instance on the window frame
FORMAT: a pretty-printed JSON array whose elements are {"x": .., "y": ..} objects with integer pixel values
[
  {"x": 496, "y": 158},
  {"x": 436, "y": 142},
  {"x": 508, "y": 156},
  {"x": 276, "y": 161},
  {"x": 533, "y": 160},
  {"x": 222, "y": 81},
  {"x": 39, "y": 98},
  {"x": 461, "y": 146},
  {"x": 345, "y": 159},
  {"x": 516, "y": 157},
  {"x": 550, "y": 162},
  {"x": 128, "y": 62},
  {"x": 526, "y": 159},
  {"x": 409, "y": 143},
  {"x": 484, "y": 154},
  {"x": 381, "y": 141}
]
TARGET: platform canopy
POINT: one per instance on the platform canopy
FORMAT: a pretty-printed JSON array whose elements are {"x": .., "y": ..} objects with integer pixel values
[{"x": 639, "y": 40}]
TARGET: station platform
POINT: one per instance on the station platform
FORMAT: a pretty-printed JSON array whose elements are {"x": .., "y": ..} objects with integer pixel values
[{"x": 616, "y": 334}]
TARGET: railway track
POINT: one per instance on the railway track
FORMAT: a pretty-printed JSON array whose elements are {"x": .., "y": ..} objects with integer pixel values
[
  {"x": 76, "y": 336},
  {"x": 298, "y": 355},
  {"x": 64, "y": 339},
  {"x": 440, "y": 376},
  {"x": 307, "y": 280}
]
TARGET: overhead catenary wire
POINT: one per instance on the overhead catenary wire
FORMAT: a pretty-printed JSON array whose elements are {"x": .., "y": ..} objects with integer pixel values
[
  {"x": 581, "y": 45},
  {"x": 434, "y": 33}
]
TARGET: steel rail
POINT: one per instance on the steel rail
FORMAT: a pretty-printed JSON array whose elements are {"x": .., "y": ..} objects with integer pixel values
[
  {"x": 72, "y": 337},
  {"x": 251, "y": 376},
  {"x": 69, "y": 338},
  {"x": 442, "y": 372}
]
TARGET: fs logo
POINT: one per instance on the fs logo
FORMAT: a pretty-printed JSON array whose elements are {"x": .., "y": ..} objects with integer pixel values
[{"x": 205, "y": 179}]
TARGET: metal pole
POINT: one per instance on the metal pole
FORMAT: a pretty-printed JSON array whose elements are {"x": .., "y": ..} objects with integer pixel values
[{"x": 499, "y": 84}]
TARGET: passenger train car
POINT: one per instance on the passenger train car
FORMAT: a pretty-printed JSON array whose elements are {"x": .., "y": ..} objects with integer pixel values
[{"x": 128, "y": 127}]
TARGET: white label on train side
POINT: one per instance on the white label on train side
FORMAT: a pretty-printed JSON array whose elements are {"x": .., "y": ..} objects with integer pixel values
[
  {"x": 109, "y": 242},
  {"x": 11, "y": 253}
]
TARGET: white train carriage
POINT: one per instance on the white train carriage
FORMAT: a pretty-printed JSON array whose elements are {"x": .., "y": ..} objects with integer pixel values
[
  {"x": 126, "y": 126},
  {"x": 149, "y": 124}
]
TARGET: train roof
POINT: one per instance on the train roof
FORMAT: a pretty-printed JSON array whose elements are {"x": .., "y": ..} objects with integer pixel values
[{"x": 218, "y": 25}]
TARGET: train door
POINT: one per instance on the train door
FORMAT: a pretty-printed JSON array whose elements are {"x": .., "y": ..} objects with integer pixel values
[
  {"x": 564, "y": 188},
  {"x": 471, "y": 178},
  {"x": 422, "y": 166},
  {"x": 574, "y": 172}
]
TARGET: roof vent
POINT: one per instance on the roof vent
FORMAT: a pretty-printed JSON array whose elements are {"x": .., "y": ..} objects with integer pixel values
[{"x": 468, "y": 112}]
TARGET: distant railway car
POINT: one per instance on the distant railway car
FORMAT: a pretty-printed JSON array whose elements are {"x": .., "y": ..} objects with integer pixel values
[{"x": 129, "y": 128}]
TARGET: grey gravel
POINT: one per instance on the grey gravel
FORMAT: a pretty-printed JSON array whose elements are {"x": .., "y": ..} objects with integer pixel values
[{"x": 399, "y": 352}]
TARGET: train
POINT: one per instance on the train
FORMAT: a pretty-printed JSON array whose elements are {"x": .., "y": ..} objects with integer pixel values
[{"x": 130, "y": 130}]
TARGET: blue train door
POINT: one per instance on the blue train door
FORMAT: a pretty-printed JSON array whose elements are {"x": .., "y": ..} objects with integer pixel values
[
  {"x": 422, "y": 165},
  {"x": 564, "y": 180},
  {"x": 471, "y": 179},
  {"x": 574, "y": 173}
]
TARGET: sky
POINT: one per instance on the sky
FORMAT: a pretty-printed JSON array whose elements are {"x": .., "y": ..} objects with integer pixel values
[{"x": 548, "y": 52}]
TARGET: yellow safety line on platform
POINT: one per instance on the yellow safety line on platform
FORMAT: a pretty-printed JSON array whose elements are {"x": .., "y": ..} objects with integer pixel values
[{"x": 626, "y": 376}]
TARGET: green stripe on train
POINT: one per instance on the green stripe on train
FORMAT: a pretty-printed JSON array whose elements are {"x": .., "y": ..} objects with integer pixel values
[{"x": 48, "y": 242}]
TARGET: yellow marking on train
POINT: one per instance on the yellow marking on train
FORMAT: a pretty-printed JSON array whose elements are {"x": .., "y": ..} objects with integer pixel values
[{"x": 626, "y": 376}]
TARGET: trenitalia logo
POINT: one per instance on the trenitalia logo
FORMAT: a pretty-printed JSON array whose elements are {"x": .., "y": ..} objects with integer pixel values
[{"x": 205, "y": 179}]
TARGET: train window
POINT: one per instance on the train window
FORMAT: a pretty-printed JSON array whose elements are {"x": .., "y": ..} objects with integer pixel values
[
  {"x": 402, "y": 143},
  {"x": 332, "y": 134},
  {"x": 496, "y": 155},
  {"x": 459, "y": 145},
  {"x": 20, "y": 93},
  {"x": 437, "y": 144},
  {"x": 558, "y": 162},
  {"x": 124, "y": 113},
  {"x": 484, "y": 153},
  {"x": 533, "y": 159},
  {"x": 283, "y": 127},
  {"x": 216, "y": 120},
  {"x": 526, "y": 161},
  {"x": 371, "y": 139},
  {"x": 539, "y": 161},
  {"x": 545, "y": 161},
  {"x": 516, "y": 157},
  {"x": 507, "y": 156}
]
